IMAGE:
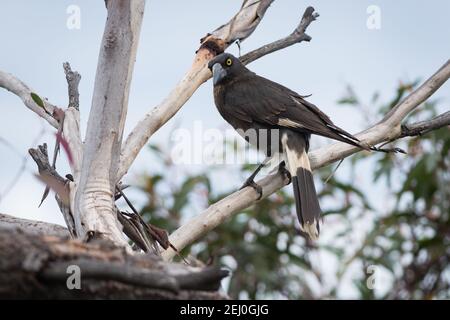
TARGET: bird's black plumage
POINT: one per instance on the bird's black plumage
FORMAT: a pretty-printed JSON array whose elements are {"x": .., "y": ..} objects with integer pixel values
[
  {"x": 248, "y": 101},
  {"x": 245, "y": 99}
]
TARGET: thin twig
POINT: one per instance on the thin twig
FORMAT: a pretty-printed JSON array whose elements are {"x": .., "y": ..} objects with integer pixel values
[
  {"x": 297, "y": 36},
  {"x": 22, "y": 167},
  {"x": 426, "y": 126},
  {"x": 334, "y": 171}
]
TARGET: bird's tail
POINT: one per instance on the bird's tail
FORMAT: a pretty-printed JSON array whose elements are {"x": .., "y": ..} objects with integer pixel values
[{"x": 306, "y": 201}]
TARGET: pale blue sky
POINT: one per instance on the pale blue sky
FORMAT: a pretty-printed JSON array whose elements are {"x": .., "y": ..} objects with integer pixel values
[{"x": 414, "y": 40}]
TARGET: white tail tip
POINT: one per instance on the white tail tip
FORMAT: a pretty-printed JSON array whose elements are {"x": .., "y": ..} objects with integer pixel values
[{"x": 311, "y": 229}]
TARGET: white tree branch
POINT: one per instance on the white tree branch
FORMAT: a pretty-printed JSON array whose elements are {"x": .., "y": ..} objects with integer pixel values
[
  {"x": 71, "y": 125},
  {"x": 71, "y": 133},
  {"x": 298, "y": 35},
  {"x": 94, "y": 209},
  {"x": 423, "y": 127},
  {"x": 400, "y": 111},
  {"x": 389, "y": 129},
  {"x": 20, "y": 89},
  {"x": 239, "y": 27}
]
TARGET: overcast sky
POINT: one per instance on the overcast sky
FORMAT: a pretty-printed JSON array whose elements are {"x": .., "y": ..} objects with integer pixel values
[{"x": 413, "y": 42}]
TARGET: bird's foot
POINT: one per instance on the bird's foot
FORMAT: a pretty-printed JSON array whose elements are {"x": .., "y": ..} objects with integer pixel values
[
  {"x": 388, "y": 150},
  {"x": 238, "y": 43},
  {"x": 285, "y": 172},
  {"x": 251, "y": 183}
]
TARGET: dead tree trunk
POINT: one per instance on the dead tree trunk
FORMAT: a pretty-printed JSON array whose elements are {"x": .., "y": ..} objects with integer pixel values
[{"x": 34, "y": 266}]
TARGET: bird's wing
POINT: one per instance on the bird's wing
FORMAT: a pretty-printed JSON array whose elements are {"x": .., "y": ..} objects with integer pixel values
[{"x": 259, "y": 100}]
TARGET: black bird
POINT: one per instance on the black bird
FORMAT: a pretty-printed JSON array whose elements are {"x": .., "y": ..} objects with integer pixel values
[{"x": 250, "y": 102}]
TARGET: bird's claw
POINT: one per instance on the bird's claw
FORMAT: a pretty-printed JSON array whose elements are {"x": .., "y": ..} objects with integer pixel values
[
  {"x": 285, "y": 172},
  {"x": 251, "y": 183}
]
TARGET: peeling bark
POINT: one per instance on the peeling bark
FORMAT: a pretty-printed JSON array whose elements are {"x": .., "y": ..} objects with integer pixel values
[
  {"x": 35, "y": 267},
  {"x": 94, "y": 209}
]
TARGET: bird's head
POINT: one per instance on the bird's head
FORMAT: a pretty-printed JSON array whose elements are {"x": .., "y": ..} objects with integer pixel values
[{"x": 224, "y": 66}]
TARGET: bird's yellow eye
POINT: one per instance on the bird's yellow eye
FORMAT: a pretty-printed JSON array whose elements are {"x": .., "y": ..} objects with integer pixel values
[{"x": 229, "y": 62}]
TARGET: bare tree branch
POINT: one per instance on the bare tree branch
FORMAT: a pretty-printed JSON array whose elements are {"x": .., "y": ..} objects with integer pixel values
[
  {"x": 73, "y": 79},
  {"x": 208, "y": 279},
  {"x": 40, "y": 156},
  {"x": 33, "y": 265},
  {"x": 240, "y": 27},
  {"x": 112, "y": 271},
  {"x": 297, "y": 36},
  {"x": 20, "y": 89},
  {"x": 71, "y": 134},
  {"x": 423, "y": 127},
  {"x": 33, "y": 227},
  {"x": 94, "y": 209},
  {"x": 71, "y": 124},
  {"x": 389, "y": 129}
]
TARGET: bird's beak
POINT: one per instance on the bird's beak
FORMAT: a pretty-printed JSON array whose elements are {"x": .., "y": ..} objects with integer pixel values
[{"x": 218, "y": 73}]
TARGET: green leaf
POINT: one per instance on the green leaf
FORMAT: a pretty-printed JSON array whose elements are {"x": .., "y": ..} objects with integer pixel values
[
  {"x": 348, "y": 100},
  {"x": 37, "y": 100}
]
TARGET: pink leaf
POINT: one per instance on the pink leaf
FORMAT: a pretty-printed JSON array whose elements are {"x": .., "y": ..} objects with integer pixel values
[
  {"x": 65, "y": 146},
  {"x": 58, "y": 114}
]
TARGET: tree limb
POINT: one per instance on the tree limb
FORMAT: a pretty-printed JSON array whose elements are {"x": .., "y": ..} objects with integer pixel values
[
  {"x": 71, "y": 123},
  {"x": 388, "y": 129},
  {"x": 40, "y": 156},
  {"x": 240, "y": 27},
  {"x": 71, "y": 134},
  {"x": 94, "y": 209},
  {"x": 20, "y": 89},
  {"x": 423, "y": 127},
  {"x": 297, "y": 36},
  {"x": 73, "y": 79},
  {"x": 208, "y": 279},
  {"x": 36, "y": 266}
]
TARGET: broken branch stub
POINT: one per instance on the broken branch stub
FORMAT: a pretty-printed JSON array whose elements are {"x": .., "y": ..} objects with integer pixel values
[{"x": 242, "y": 25}]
